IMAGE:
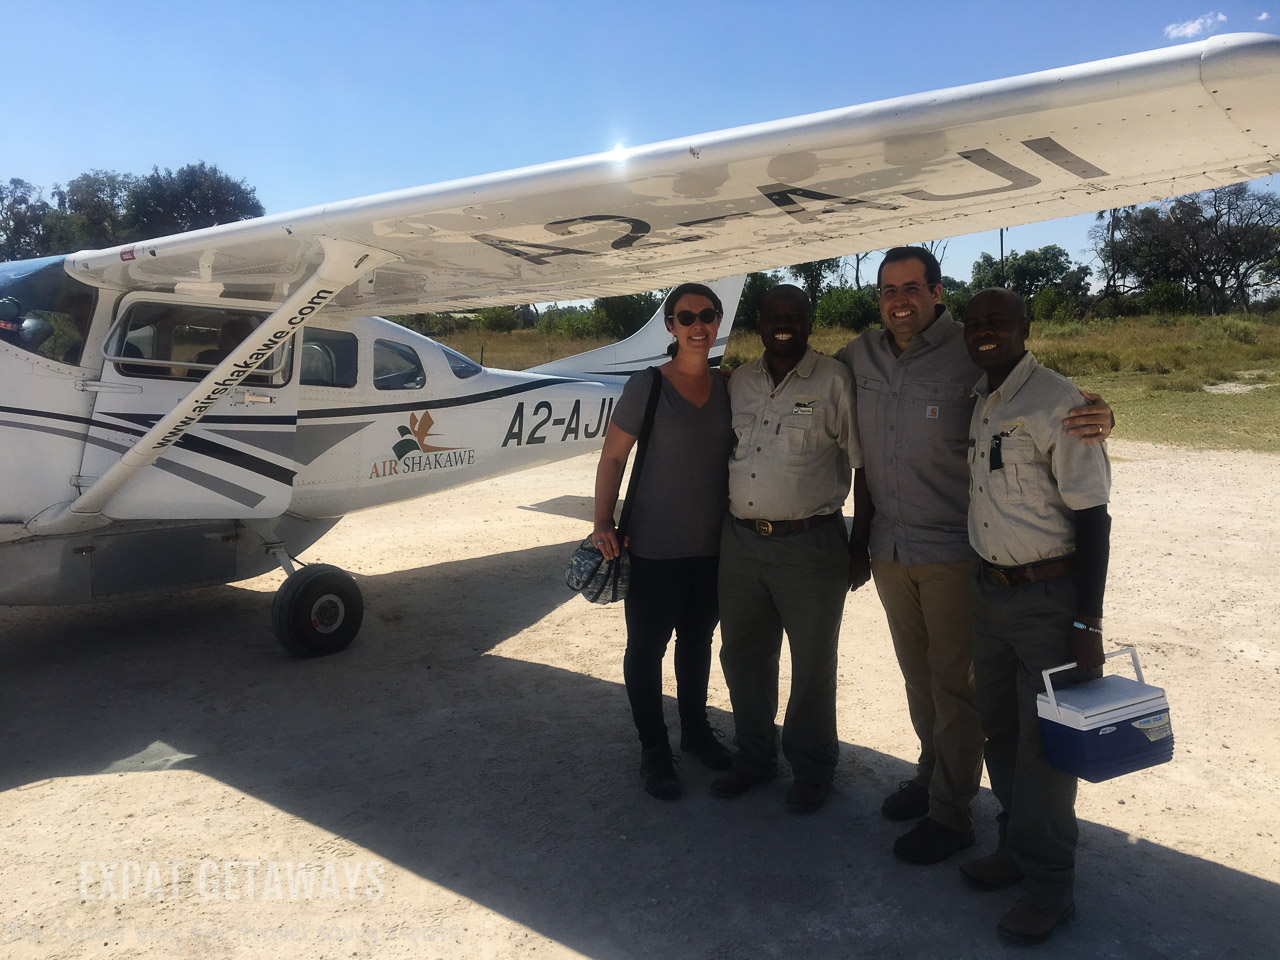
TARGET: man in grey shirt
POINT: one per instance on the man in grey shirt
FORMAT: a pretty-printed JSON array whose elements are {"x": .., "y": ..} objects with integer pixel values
[{"x": 913, "y": 382}]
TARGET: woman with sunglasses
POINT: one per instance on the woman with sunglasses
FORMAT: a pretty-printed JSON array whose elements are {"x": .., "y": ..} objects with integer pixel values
[{"x": 673, "y": 534}]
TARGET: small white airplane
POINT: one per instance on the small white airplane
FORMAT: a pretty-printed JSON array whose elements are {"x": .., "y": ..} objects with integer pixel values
[{"x": 157, "y": 457}]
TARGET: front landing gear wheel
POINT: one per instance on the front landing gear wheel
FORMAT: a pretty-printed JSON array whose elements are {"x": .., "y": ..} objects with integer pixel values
[{"x": 317, "y": 611}]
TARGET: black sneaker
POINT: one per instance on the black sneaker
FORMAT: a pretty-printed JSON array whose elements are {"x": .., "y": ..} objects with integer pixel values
[
  {"x": 657, "y": 766},
  {"x": 909, "y": 802},
  {"x": 704, "y": 743}
]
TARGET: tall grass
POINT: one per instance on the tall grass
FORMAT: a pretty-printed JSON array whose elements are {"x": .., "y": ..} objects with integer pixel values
[
  {"x": 1152, "y": 370},
  {"x": 519, "y": 349}
]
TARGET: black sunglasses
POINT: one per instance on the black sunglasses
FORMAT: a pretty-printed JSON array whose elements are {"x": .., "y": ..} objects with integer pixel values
[{"x": 707, "y": 316}]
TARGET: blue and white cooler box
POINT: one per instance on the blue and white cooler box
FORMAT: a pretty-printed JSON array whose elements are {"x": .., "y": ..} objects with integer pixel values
[{"x": 1103, "y": 728}]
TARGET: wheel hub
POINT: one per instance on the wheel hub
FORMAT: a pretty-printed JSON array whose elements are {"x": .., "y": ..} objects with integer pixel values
[{"x": 327, "y": 613}]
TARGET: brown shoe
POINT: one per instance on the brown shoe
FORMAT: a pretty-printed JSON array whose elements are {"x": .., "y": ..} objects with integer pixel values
[
  {"x": 994, "y": 872},
  {"x": 807, "y": 796},
  {"x": 1026, "y": 923}
]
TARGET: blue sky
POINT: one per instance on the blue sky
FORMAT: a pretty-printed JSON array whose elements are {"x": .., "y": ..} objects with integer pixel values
[{"x": 321, "y": 101}]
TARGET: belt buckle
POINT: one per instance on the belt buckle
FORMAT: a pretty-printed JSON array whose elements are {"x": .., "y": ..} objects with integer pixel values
[
  {"x": 998, "y": 577},
  {"x": 764, "y": 527}
]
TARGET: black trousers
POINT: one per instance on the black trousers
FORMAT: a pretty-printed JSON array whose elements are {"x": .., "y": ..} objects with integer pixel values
[{"x": 669, "y": 595}]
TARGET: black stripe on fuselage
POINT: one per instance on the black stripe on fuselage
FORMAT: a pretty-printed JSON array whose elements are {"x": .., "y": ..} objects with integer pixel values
[
  {"x": 200, "y": 446},
  {"x": 441, "y": 403}
]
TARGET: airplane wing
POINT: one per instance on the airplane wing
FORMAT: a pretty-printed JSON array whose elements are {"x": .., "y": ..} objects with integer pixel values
[{"x": 1078, "y": 139}]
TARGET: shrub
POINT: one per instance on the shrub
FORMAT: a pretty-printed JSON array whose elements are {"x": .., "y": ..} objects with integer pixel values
[
  {"x": 956, "y": 301},
  {"x": 846, "y": 307},
  {"x": 497, "y": 319},
  {"x": 576, "y": 323},
  {"x": 1164, "y": 296},
  {"x": 1051, "y": 305},
  {"x": 1235, "y": 329}
]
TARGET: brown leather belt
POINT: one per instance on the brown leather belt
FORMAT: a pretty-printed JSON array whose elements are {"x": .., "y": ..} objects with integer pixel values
[
  {"x": 771, "y": 528},
  {"x": 1029, "y": 573}
]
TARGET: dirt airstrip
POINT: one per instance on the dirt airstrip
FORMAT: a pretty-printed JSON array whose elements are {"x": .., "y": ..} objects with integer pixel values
[{"x": 462, "y": 782}]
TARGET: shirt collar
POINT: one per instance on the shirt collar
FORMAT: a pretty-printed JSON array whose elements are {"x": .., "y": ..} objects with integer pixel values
[
  {"x": 803, "y": 368},
  {"x": 932, "y": 334},
  {"x": 1019, "y": 375}
]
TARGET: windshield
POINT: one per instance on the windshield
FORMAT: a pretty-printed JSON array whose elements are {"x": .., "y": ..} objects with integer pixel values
[{"x": 44, "y": 310}]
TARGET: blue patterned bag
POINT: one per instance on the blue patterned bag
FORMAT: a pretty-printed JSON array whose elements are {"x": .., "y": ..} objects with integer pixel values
[
  {"x": 598, "y": 579},
  {"x": 589, "y": 573}
]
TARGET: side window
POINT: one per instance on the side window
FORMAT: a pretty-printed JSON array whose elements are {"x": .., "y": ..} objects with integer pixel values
[
  {"x": 184, "y": 342},
  {"x": 396, "y": 367},
  {"x": 328, "y": 358},
  {"x": 462, "y": 367}
]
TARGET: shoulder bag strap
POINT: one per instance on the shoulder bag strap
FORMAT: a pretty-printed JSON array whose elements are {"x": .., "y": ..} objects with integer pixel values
[{"x": 642, "y": 445}]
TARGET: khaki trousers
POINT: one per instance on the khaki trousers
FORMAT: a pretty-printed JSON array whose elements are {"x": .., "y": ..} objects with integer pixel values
[{"x": 928, "y": 607}]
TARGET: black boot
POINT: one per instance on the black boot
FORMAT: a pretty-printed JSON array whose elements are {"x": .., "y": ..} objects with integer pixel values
[
  {"x": 657, "y": 766},
  {"x": 704, "y": 743}
]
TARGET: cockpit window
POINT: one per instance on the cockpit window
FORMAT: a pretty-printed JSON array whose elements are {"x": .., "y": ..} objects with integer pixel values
[
  {"x": 43, "y": 310},
  {"x": 461, "y": 366},
  {"x": 396, "y": 367}
]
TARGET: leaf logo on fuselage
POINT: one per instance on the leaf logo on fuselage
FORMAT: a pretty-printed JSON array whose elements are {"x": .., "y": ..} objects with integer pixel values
[{"x": 415, "y": 436}]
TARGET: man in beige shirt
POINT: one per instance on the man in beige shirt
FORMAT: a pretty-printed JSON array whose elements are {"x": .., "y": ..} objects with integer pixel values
[
  {"x": 1038, "y": 520},
  {"x": 784, "y": 554}
]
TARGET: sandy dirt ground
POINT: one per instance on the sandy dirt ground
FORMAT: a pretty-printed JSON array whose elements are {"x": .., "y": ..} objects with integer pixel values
[{"x": 463, "y": 782}]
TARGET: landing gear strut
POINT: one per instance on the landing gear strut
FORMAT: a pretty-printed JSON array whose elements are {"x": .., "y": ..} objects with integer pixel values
[{"x": 317, "y": 610}]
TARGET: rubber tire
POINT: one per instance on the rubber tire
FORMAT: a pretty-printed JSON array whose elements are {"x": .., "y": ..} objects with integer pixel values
[{"x": 317, "y": 611}]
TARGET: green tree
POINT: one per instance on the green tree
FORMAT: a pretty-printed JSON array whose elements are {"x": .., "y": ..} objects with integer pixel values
[
  {"x": 575, "y": 322},
  {"x": 197, "y": 196},
  {"x": 497, "y": 319},
  {"x": 1219, "y": 245},
  {"x": 1030, "y": 273},
  {"x": 956, "y": 295},
  {"x": 91, "y": 211},
  {"x": 628, "y": 313},
  {"x": 23, "y": 210},
  {"x": 812, "y": 276},
  {"x": 1025, "y": 273},
  {"x": 845, "y": 306},
  {"x": 754, "y": 290}
]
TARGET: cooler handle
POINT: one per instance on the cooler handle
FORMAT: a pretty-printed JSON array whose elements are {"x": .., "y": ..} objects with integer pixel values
[{"x": 1048, "y": 685}]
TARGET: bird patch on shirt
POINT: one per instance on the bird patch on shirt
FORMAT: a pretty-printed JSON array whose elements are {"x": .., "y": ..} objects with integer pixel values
[
  {"x": 932, "y": 411},
  {"x": 804, "y": 406}
]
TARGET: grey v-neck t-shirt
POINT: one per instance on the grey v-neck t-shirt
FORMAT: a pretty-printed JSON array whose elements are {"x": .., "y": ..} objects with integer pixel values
[{"x": 684, "y": 485}]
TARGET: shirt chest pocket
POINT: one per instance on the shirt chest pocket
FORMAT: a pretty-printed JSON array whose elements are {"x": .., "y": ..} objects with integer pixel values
[
  {"x": 1021, "y": 478},
  {"x": 796, "y": 438},
  {"x": 744, "y": 428},
  {"x": 940, "y": 401}
]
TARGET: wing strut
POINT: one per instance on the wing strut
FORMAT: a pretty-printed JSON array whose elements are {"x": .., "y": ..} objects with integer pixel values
[{"x": 344, "y": 262}]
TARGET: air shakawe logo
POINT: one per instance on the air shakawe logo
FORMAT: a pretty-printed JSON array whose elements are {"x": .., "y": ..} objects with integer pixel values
[{"x": 413, "y": 454}]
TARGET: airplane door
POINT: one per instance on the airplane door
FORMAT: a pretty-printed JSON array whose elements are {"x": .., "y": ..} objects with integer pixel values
[{"x": 237, "y": 462}]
